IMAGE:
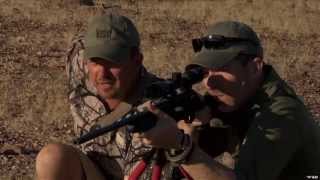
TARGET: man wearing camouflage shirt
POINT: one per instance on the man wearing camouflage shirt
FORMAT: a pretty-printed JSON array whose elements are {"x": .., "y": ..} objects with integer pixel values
[
  {"x": 107, "y": 79},
  {"x": 281, "y": 140}
]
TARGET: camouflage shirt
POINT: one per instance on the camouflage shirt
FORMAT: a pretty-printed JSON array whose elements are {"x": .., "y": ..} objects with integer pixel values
[{"x": 87, "y": 110}]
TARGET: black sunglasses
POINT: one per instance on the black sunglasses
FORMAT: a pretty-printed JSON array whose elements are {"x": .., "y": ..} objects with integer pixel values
[{"x": 216, "y": 42}]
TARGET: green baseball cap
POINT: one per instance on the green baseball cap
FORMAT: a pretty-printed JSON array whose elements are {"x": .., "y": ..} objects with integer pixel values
[
  {"x": 111, "y": 37},
  {"x": 234, "y": 38}
]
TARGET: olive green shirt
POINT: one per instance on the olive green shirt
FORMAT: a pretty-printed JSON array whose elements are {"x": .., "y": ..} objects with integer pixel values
[{"x": 283, "y": 140}]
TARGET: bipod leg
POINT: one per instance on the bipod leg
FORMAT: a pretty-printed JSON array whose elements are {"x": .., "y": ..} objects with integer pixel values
[
  {"x": 140, "y": 168},
  {"x": 185, "y": 173}
]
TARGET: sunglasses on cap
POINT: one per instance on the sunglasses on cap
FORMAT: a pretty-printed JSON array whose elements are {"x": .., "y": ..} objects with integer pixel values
[{"x": 216, "y": 42}]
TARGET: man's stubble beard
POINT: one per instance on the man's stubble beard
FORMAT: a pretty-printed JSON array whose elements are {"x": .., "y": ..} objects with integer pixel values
[{"x": 109, "y": 94}]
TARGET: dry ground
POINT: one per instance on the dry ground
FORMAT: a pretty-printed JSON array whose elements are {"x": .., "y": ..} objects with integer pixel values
[{"x": 34, "y": 35}]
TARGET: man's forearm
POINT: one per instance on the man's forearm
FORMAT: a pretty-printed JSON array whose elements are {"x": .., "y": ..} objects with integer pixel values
[{"x": 202, "y": 166}]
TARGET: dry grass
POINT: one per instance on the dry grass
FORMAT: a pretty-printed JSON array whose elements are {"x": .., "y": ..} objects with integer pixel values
[{"x": 34, "y": 35}]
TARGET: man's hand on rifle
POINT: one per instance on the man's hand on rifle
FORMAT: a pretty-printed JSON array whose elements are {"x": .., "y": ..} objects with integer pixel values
[{"x": 167, "y": 133}]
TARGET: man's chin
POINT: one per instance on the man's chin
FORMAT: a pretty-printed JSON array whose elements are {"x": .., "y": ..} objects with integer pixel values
[{"x": 107, "y": 95}]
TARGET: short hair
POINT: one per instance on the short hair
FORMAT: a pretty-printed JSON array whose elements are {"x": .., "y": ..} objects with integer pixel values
[{"x": 245, "y": 58}]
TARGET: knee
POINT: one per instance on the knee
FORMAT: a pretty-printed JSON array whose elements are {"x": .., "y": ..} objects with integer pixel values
[
  {"x": 56, "y": 155},
  {"x": 52, "y": 153}
]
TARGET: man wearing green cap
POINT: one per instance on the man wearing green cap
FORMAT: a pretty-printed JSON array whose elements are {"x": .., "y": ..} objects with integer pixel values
[
  {"x": 277, "y": 136},
  {"x": 281, "y": 140},
  {"x": 106, "y": 78}
]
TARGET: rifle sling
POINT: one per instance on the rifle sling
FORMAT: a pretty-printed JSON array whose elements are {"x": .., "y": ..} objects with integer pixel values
[{"x": 122, "y": 109}]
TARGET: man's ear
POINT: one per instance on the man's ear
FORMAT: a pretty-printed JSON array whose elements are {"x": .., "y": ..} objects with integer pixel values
[
  {"x": 256, "y": 66},
  {"x": 140, "y": 58},
  {"x": 259, "y": 64},
  {"x": 85, "y": 62},
  {"x": 137, "y": 56}
]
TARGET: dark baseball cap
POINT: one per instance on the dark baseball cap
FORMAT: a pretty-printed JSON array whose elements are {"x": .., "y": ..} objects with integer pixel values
[
  {"x": 240, "y": 38},
  {"x": 111, "y": 37}
]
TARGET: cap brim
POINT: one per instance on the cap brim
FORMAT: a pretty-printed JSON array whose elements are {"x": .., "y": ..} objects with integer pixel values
[
  {"x": 213, "y": 58},
  {"x": 111, "y": 52}
]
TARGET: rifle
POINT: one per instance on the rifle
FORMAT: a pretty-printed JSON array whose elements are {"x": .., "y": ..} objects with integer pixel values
[{"x": 173, "y": 96}]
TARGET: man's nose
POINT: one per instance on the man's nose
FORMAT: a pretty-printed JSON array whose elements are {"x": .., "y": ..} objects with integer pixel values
[
  {"x": 105, "y": 70},
  {"x": 211, "y": 78},
  {"x": 210, "y": 81}
]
